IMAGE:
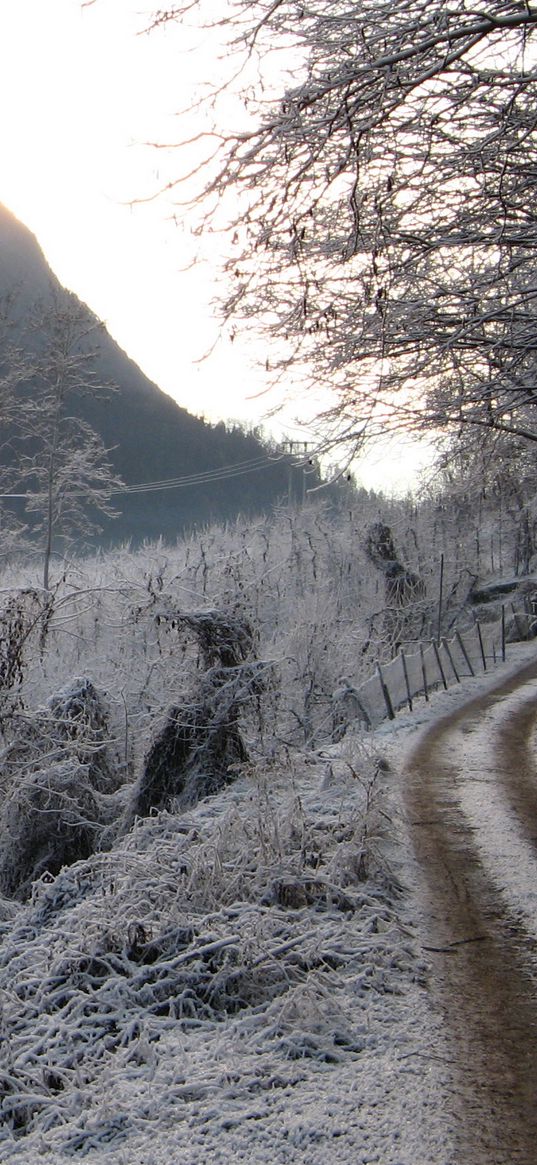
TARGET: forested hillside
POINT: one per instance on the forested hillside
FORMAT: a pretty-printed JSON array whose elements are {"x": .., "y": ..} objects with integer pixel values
[{"x": 51, "y": 341}]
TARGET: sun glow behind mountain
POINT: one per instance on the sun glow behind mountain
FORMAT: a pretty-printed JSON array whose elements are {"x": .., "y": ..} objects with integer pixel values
[{"x": 86, "y": 90}]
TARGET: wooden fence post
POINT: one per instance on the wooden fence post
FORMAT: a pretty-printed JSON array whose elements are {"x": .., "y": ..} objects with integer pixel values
[
  {"x": 440, "y": 599},
  {"x": 386, "y": 694},
  {"x": 464, "y": 652},
  {"x": 503, "y": 633},
  {"x": 439, "y": 662},
  {"x": 446, "y": 647},
  {"x": 481, "y": 648},
  {"x": 407, "y": 684},
  {"x": 424, "y": 673}
]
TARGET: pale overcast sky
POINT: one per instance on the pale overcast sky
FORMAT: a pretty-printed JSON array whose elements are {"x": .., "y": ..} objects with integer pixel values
[{"x": 81, "y": 92}]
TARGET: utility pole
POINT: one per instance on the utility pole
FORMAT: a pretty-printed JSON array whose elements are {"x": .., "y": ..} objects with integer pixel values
[{"x": 300, "y": 449}]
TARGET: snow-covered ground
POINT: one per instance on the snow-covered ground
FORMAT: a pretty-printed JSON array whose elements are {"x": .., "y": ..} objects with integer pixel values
[{"x": 242, "y": 981}]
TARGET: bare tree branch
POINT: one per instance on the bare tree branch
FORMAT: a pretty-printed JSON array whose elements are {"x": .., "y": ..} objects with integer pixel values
[{"x": 382, "y": 207}]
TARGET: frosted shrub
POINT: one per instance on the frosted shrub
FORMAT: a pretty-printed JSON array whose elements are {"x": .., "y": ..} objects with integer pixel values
[
  {"x": 56, "y": 774},
  {"x": 297, "y": 591},
  {"x": 199, "y": 745},
  {"x": 232, "y": 646},
  {"x": 50, "y": 819}
]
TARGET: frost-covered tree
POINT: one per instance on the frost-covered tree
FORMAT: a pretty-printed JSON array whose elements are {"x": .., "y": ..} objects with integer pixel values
[
  {"x": 12, "y": 367},
  {"x": 489, "y": 483},
  {"x": 384, "y": 172},
  {"x": 57, "y": 461}
]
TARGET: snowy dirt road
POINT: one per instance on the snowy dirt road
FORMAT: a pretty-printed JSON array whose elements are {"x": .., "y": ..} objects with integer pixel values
[{"x": 471, "y": 804}]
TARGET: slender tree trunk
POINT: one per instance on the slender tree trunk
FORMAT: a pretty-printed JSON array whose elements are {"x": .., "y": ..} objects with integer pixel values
[
  {"x": 48, "y": 538},
  {"x": 50, "y": 489}
]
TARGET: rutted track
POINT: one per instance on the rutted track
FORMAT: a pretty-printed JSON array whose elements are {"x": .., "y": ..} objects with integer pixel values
[{"x": 482, "y": 948}]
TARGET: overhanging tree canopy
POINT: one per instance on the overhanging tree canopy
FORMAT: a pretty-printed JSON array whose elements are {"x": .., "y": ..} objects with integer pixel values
[{"x": 388, "y": 211}]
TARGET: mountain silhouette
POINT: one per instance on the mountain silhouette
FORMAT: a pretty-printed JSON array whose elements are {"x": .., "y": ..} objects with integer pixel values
[{"x": 150, "y": 437}]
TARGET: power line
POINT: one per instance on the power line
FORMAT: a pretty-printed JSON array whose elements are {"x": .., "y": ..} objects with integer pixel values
[
  {"x": 200, "y": 478},
  {"x": 206, "y": 477}
]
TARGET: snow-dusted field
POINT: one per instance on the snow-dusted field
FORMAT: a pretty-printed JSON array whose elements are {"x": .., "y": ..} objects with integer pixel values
[
  {"x": 242, "y": 979},
  {"x": 230, "y": 984}
]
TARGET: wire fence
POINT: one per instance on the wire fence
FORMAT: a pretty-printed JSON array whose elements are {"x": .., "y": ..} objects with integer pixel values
[{"x": 440, "y": 663}]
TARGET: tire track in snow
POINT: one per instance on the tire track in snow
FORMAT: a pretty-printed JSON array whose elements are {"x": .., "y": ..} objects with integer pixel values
[{"x": 483, "y": 965}]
